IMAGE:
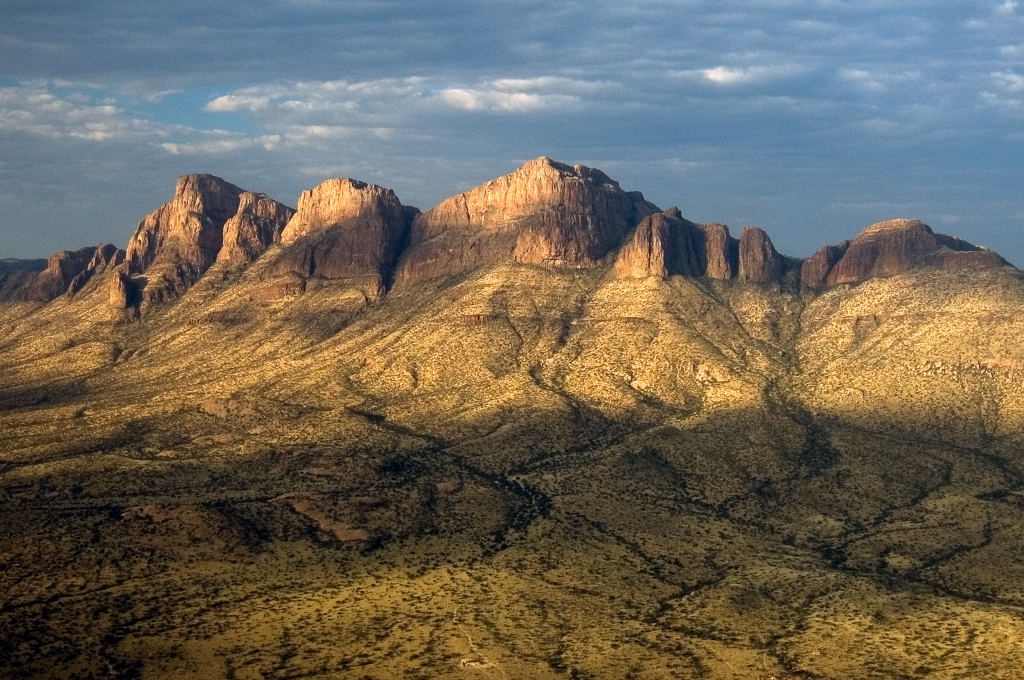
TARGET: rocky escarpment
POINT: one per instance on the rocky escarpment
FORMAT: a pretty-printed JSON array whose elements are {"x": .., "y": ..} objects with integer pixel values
[
  {"x": 665, "y": 244},
  {"x": 66, "y": 271},
  {"x": 360, "y": 237},
  {"x": 16, "y": 276},
  {"x": 721, "y": 252},
  {"x": 176, "y": 243},
  {"x": 889, "y": 248},
  {"x": 545, "y": 212},
  {"x": 343, "y": 230}
]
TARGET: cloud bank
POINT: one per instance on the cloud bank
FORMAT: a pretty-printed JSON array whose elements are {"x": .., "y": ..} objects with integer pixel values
[{"x": 808, "y": 117}]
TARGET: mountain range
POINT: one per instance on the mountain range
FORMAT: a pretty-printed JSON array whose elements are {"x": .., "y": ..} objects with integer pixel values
[{"x": 542, "y": 429}]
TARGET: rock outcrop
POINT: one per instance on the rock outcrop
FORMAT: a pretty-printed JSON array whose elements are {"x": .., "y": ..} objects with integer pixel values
[
  {"x": 814, "y": 270},
  {"x": 545, "y": 212},
  {"x": 121, "y": 291},
  {"x": 207, "y": 221},
  {"x": 344, "y": 229},
  {"x": 759, "y": 262},
  {"x": 665, "y": 244},
  {"x": 104, "y": 257},
  {"x": 61, "y": 268},
  {"x": 721, "y": 252},
  {"x": 893, "y": 247},
  {"x": 662, "y": 245},
  {"x": 66, "y": 271},
  {"x": 257, "y": 225}
]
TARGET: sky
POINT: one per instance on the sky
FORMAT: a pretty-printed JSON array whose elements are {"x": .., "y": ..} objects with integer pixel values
[{"x": 809, "y": 118}]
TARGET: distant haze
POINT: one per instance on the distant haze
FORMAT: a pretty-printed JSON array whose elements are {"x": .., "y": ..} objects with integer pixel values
[{"x": 809, "y": 118}]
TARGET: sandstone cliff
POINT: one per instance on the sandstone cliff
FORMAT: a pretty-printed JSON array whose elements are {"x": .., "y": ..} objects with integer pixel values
[
  {"x": 665, "y": 244},
  {"x": 344, "y": 229},
  {"x": 814, "y": 270},
  {"x": 721, "y": 252},
  {"x": 66, "y": 271},
  {"x": 545, "y": 212},
  {"x": 662, "y": 245}
]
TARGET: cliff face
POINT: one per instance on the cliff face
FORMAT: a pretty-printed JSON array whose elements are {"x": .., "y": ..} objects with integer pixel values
[
  {"x": 344, "y": 229},
  {"x": 188, "y": 230},
  {"x": 662, "y": 245},
  {"x": 759, "y": 262},
  {"x": 665, "y": 244},
  {"x": 254, "y": 228},
  {"x": 543, "y": 213},
  {"x": 61, "y": 268},
  {"x": 889, "y": 248},
  {"x": 721, "y": 252},
  {"x": 66, "y": 271},
  {"x": 814, "y": 270}
]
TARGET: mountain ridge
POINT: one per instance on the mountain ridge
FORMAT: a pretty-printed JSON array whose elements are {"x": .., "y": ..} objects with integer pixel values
[{"x": 544, "y": 212}]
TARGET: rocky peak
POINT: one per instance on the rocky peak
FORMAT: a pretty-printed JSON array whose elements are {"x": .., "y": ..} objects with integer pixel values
[
  {"x": 662, "y": 245},
  {"x": 544, "y": 212},
  {"x": 889, "y": 248},
  {"x": 105, "y": 256},
  {"x": 344, "y": 229},
  {"x": 188, "y": 228},
  {"x": 68, "y": 271},
  {"x": 341, "y": 202},
  {"x": 665, "y": 244},
  {"x": 207, "y": 220},
  {"x": 814, "y": 270},
  {"x": 721, "y": 252},
  {"x": 177, "y": 242},
  {"x": 759, "y": 262}
]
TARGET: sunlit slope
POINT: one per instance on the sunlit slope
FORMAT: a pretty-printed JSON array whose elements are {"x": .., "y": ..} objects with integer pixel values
[{"x": 935, "y": 354}]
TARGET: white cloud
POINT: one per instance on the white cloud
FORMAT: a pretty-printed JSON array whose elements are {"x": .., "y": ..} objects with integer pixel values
[
  {"x": 743, "y": 75},
  {"x": 384, "y": 96},
  {"x": 521, "y": 95},
  {"x": 36, "y": 109},
  {"x": 221, "y": 146},
  {"x": 484, "y": 99},
  {"x": 230, "y": 103},
  {"x": 314, "y": 96}
]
